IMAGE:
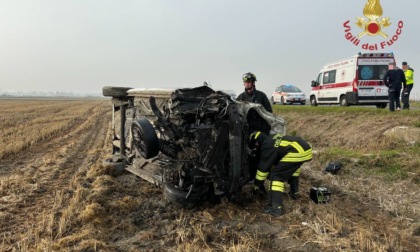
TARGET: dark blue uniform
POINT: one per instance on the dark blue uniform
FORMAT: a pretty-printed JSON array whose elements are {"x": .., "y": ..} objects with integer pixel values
[
  {"x": 256, "y": 97},
  {"x": 394, "y": 79}
]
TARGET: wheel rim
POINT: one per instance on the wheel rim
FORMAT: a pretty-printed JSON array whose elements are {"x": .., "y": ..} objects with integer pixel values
[
  {"x": 139, "y": 140},
  {"x": 144, "y": 138}
]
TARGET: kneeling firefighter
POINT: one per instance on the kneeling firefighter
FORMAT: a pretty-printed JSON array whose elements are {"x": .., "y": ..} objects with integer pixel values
[{"x": 280, "y": 160}]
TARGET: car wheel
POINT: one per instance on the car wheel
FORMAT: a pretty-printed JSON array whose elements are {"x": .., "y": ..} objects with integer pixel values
[
  {"x": 303, "y": 103},
  {"x": 313, "y": 101},
  {"x": 144, "y": 138},
  {"x": 180, "y": 196},
  {"x": 381, "y": 105},
  {"x": 282, "y": 100},
  {"x": 115, "y": 91},
  {"x": 343, "y": 101},
  {"x": 272, "y": 100}
]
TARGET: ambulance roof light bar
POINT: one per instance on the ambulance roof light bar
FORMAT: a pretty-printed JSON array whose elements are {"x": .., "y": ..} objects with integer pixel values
[{"x": 376, "y": 55}]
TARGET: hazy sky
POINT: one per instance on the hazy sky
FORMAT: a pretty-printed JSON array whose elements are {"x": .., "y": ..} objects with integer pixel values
[{"x": 81, "y": 45}]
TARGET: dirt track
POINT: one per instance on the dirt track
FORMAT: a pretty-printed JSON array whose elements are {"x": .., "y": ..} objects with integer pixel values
[{"x": 55, "y": 195}]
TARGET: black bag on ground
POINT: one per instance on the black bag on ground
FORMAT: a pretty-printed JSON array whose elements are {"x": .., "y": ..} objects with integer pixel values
[{"x": 333, "y": 167}]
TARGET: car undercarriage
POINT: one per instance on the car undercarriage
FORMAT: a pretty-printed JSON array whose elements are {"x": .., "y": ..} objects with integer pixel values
[{"x": 191, "y": 141}]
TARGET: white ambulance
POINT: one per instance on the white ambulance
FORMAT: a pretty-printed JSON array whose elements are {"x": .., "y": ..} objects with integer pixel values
[{"x": 353, "y": 81}]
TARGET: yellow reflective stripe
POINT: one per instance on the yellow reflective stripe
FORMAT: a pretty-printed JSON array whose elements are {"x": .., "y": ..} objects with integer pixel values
[
  {"x": 296, "y": 160},
  {"x": 297, "y": 173},
  {"x": 257, "y": 135},
  {"x": 297, "y": 147},
  {"x": 295, "y": 154},
  {"x": 261, "y": 175},
  {"x": 284, "y": 143},
  {"x": 297, "y": 157},
  {"x": 277, "y": 186}
]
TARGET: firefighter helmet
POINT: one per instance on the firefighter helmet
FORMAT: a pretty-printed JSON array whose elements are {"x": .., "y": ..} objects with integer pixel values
[
  {"x": 253, "y": 139},
  {"x": 249, "y": 77}
]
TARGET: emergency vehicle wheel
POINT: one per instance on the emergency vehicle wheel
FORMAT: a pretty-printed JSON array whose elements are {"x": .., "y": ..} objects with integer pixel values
[
  {"x": 272, "y": 100},
  {"x": 282, "y": 100},
  {"x": 313, "y": 101},
  {"x": 343, "y": 101},
  {"x": 381, "y": 105}
]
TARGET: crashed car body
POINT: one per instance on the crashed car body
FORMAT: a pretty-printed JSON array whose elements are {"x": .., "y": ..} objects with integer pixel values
[{"x": 190, "y": 141}]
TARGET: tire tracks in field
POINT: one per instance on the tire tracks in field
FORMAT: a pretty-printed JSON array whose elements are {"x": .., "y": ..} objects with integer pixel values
[
  {"x": 48, "y": 145},
  {"x": 50, "y": 167}
]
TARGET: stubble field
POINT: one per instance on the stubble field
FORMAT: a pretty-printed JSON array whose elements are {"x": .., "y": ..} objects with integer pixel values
[{"x": 55, "y": 194}]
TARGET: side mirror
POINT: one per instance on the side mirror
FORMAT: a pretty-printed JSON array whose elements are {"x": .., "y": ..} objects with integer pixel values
[{"x": 314, "y": 83}]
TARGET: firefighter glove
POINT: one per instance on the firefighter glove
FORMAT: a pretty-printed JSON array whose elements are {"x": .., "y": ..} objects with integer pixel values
[{"x": 259, "y": 187}]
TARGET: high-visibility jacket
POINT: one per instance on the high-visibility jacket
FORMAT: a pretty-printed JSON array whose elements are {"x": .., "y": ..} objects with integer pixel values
[{"x": 409, "y": 76}]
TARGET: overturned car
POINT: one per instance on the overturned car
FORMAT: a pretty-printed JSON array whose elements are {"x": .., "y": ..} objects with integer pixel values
[{"x": 190, "y": 141}]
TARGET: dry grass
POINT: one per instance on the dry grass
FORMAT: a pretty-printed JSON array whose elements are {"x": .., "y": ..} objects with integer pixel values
[
  {"x": 26, "y": 122},
  {"x": 56, "y": 195}
]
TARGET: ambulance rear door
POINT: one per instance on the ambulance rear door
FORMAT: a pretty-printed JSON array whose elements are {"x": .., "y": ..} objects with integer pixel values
[{"x": 371, "y": 72}]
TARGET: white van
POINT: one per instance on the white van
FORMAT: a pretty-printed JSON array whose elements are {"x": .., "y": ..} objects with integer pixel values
[{"x": 353, "y": 81}]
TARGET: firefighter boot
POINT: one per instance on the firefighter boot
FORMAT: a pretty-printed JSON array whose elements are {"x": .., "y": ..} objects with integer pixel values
[
  {"x": 275, "y": 206},
  {"x": 274, "y": 209},
  {"x": 294, "y": 187}
]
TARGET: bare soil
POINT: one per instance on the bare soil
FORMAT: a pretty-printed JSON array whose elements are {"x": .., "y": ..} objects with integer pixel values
[{"x": 56, "y": 195}]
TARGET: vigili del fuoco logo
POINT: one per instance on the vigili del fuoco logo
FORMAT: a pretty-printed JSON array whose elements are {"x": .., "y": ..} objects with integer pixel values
[{"x": 373, "y": 25}]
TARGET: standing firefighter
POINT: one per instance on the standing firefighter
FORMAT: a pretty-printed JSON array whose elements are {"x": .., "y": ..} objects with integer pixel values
[
  {"x": 280, "y": 162},
  {"x": 251, "y": 94}
]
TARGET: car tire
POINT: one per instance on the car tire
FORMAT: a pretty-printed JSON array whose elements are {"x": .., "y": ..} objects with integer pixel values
[
  {"x": 381, "y": 105},
  {"x": 144, "y": 138},
  {"x": 313, "y": 101},
  {"x": 272, "y": 100},
  {"x": 282, "y": 100},
  {"x": 179, "y": 196},
  {"x": 343, "y": 101},
  {"x": 115, "y": 91}
]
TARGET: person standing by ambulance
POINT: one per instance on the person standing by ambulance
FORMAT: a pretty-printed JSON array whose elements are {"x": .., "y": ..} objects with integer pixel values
[
  {"x": 393, "y": 79},
  {"x": 409, "y": 76}
]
